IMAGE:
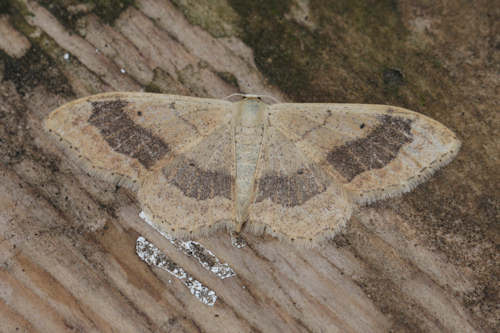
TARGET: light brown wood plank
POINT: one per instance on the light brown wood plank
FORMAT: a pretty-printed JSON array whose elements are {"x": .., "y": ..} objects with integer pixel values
[{"x": 424, "y": 262}]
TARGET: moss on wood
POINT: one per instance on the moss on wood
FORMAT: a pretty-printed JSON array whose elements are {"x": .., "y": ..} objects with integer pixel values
[
  {"x": 214, "y": 16},
  {"x": 69, "y": 11},
  {"x": 33, "y": 69}
]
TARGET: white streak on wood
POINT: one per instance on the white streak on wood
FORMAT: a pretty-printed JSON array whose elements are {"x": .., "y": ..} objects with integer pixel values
[
  {"x": 191, "y": 248},
  {"x": 154, "y": 257}
]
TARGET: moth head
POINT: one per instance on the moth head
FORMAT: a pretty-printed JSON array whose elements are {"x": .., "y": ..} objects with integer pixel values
[
  {"x": 253, "y": 102},
  {"x": 253, "y": 97}
]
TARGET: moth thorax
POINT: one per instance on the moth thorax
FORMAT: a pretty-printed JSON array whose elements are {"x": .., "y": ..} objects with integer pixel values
[
  {"x": 248, "y": 133},
  {"x": 249, "y": 113}
]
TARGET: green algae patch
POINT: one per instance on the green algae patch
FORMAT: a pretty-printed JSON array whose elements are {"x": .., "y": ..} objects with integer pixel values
[
  {"x": 33, "y": 69},
  {"x": 357, "y": 52},
  {"x": 228, "y": 78},
  {"x": 109, "y": 10},
  {"x": 41, "y": 65},
  {"x": 69, "y": 11},
  {"x": 284, "y": 50},
  {"x": 4, "y": 6},
  {"x": 214, "y": 16},
  {"x": 13, "y": 7},
  {"x": 164, "y": 83},
  {"x": 153, "y": 88}
]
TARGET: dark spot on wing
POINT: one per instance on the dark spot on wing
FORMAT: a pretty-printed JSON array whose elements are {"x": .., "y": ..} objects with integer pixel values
[
  {"x": 374, "y": 151},
  {"x": 290, "y": 191},
  {"x": 197, "y": 183},
  {"x": 123, "y": 135}
]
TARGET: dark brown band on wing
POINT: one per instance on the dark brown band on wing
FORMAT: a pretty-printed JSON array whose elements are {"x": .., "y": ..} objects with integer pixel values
[
  {"x": 124, "y": 136},
  {"x": 374, "y": 151},
  {"x": 289, "y": 191},
  {"x": 197, "y": 183}
]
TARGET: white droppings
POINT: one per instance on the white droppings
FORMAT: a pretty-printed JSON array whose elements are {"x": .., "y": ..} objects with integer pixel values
[
  {"x": 122, "y": 70},
  {"x": 237, "y": 241},
  {"x": 191, "y": 248},
  {"x": 154, "y": 257},
  {"x": 207, "y": 259},
  {"x": 66, "y": 56}
]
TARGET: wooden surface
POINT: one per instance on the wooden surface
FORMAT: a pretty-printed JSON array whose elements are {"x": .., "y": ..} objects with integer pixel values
[{"x": 427, "y": 261}]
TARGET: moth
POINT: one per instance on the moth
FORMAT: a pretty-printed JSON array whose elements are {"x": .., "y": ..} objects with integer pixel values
[{"x": 295, "y": 171}]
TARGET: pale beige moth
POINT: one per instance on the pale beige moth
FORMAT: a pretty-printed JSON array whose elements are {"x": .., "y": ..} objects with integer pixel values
[{"x": 295, "y": 171}]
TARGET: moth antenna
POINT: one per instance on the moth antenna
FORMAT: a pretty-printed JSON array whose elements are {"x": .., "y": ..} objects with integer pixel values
[{"x": 275, "y": 100}]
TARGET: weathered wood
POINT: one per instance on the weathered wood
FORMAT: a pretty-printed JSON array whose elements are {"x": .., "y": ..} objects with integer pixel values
[{"x": 423, "y": 262}]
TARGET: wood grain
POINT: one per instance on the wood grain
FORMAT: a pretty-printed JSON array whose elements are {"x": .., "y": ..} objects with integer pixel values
[{"x": 67, "y": 240}]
